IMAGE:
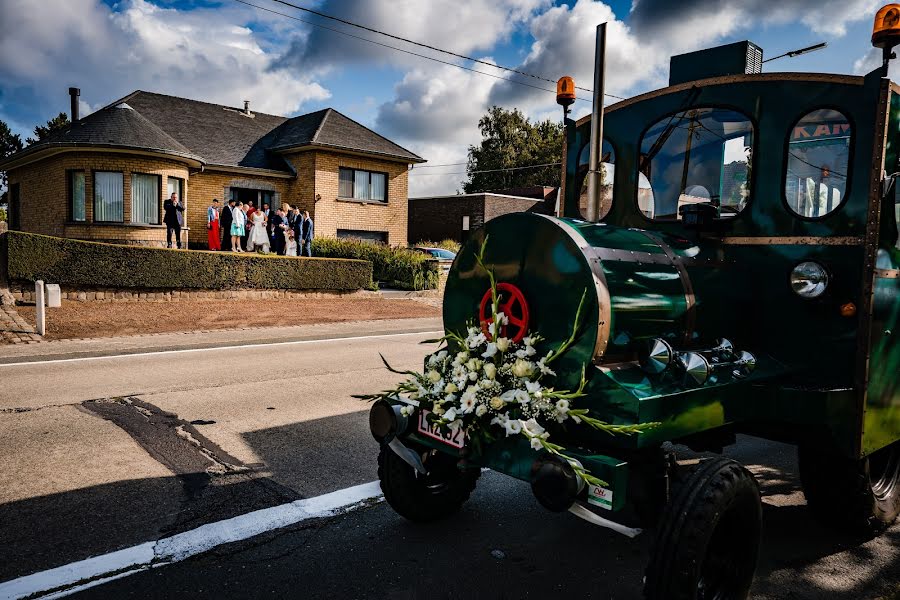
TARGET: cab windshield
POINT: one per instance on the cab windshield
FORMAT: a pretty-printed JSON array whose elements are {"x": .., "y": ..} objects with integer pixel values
[{"x": 697, "y": 156}]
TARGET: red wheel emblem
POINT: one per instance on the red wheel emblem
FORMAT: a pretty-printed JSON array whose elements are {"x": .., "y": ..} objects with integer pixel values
[{"x": 511, "y": 302}]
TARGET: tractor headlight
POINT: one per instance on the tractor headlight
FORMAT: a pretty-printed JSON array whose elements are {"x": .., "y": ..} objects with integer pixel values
[
  {"x": 386, "y": 421},
  {"x": 809, "y": 279}
]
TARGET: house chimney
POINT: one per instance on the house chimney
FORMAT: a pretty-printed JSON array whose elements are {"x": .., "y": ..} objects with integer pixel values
[
  {"x": 74, "y": 92},
  {"x": 247, "y": 107}
]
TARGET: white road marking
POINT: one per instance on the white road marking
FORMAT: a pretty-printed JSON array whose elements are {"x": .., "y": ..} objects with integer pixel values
[
  {"x": 232, "y": 347},
  {"x": 68, "y": 579}
]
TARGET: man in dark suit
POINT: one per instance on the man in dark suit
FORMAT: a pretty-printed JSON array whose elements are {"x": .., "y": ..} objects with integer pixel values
[
  {"x": 171, "y": 208},
  {"x": 276, "y": 221},
  {"x": 225, "y": 220},
  {"x": 306, "y": 236}
]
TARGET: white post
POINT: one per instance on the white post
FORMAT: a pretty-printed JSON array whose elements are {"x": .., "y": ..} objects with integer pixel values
[{"x": 40, "y": 307}]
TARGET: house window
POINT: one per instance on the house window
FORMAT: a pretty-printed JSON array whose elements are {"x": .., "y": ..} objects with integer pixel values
[
  {"x": 362, "y": 185},
  {"x": 76, "y": 195},
  {"x": 374, "y": 237},
  {"x": 818, "y": 163},
  {"x": 108, "y": 197},
  {"x": 15, "y": 207},
  {"x": 145, "y": 198}
]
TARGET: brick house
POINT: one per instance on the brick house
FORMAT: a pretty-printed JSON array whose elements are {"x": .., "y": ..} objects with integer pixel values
[
  {"x": 437, "y": 218},
  {"x": 105, "y": 177}
]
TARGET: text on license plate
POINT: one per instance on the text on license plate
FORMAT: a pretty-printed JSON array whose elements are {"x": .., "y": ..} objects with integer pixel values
[{"x": 456, "y": 438}]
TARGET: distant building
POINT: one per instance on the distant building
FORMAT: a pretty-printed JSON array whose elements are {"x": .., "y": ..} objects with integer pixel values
[
  {"x": 439, "y": 218},
  {"x": 105, "y": 176}
]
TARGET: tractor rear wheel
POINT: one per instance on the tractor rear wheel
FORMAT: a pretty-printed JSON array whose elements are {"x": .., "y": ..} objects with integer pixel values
[
  {"x": 708, "y": 536},
  {"x": 861, "y": 497},
  {"x": 423, "y": 498}
]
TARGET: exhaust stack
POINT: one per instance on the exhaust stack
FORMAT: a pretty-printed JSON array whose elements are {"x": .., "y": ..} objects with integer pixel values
[
  {"x": 74, "y": 92},
  {"x": 593, "y": 176}
]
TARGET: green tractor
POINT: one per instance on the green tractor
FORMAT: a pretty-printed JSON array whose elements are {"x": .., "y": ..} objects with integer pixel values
[{"x": 725, "y": 261}]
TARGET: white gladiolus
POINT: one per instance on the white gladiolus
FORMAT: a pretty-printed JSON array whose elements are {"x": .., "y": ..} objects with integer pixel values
[
  {"x": 536, "y": 443},
  {"x": 491, "y": 350},
  {"x": 562, "y": 405},
  {"x": 528, "y": 340},
  {"x": 450, "y": 415},
  {"x": 545, "y": 370},
  {"x": 513, "y": 427},
  {"x": 533, "y": 428}
]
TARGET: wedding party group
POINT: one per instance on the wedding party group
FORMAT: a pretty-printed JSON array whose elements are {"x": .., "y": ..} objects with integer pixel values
[{"x": 240, "y": 227}]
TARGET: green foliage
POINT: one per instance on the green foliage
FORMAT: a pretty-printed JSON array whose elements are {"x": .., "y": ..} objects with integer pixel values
[
  {"x": 41, "y": 132},
  {"x": 451, "y": 245},
  {"x": 10, "y": 143},
  {"x": 510, "y": 140},
  {"x": 77, "y": 263},
  {"x": 397, "y": 267},
  {"x": 3, "y": 216}
]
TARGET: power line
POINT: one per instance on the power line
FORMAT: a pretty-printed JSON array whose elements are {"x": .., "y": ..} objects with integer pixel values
[
  {"x": 437, "y": 60},
  {"x": 422, "y": 45}
]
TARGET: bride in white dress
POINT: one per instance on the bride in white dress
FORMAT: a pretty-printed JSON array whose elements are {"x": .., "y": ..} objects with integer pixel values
[{"x": 258, "y": 234}]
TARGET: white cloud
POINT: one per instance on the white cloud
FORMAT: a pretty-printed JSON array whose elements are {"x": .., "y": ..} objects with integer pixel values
[
  {"x": 203, "y": 54},
  {"x": 463, "y": 27}
]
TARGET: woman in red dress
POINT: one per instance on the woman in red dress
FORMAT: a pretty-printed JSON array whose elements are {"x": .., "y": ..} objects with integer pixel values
[{"x": 212, "y": 226}]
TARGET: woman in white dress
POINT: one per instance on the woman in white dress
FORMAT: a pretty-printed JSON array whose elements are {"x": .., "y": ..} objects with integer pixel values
[{"x": 259, "y": 236}]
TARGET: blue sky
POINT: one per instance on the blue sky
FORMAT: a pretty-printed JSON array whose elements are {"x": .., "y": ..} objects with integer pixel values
[{"x": 225, "y": 52}]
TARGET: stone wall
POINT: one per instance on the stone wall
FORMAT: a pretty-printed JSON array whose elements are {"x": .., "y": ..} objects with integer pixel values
[{"x": 23, "y": 293}]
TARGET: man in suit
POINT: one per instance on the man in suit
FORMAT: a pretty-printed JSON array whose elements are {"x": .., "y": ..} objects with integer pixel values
[
  {"x": 306, "y": 237},
  {"x": 172, "y": 219},
  {"x": 276, "y": 221},
  {"x": 225, "y": 220}
]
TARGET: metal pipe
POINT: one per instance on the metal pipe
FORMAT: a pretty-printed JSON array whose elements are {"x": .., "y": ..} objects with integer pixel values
[
  {"x": 593, "y": 204},
  {"x": 74, "y": 92}
]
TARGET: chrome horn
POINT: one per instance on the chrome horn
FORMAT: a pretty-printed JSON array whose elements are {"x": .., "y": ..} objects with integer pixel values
[
  {"x": 656, "y": 356},
  {"x": 695, "y": 366}
]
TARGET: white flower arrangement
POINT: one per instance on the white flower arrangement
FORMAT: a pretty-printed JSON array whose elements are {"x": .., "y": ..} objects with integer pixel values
[{"x": 492, "y": 386}]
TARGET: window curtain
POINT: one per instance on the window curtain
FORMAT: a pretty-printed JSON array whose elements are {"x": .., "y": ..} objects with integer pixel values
[
  {"x": 345, "y": 183},
  {"x": 108, "y": 197},
  {"x": 144, "y": 198},
  {"x": 378, "y": 187},
  {"x": 361, "y": 185},
  {"x": 78, "y": 196}
]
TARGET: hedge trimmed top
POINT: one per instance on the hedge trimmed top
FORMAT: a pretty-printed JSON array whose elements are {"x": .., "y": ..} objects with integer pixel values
[{"x": 78, "y": 263}]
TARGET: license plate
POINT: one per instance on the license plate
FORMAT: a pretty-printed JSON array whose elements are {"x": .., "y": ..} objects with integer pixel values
[{"x": 457, "y": 438}]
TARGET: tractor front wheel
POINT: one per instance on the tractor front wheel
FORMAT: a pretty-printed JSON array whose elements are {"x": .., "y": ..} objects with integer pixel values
[
  {"x": 861, "y": 497},
  {"x": 708, "y": 536},
  {"x": 423, "y": 498}
]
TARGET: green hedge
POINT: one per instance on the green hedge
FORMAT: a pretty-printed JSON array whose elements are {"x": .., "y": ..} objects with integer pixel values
[
  {"x": 448, "y": 244},
  {"x": 76, "y": 263},
  {"x": 395, "y": 267}
]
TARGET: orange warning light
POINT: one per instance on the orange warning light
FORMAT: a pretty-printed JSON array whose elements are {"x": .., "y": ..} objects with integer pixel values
[
  {"x": 565, "y": 91},
  {"x": 886, "y": 29}
]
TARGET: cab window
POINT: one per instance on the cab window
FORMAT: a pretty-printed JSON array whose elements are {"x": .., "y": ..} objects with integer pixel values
[
  {"x": 697, "y": 156},
  {"x": 818, "y": 159},
  {"x": 607, "y": 178}
]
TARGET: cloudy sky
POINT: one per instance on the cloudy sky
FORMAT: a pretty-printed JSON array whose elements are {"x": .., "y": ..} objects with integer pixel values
[{"x": 224, "y": 51}]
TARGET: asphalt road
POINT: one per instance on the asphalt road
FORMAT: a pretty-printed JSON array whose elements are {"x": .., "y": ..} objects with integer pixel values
[{"x": 105, "y": 453}]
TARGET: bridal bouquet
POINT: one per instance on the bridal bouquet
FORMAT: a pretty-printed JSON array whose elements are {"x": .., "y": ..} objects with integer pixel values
[{"x": 489, "y": 385}]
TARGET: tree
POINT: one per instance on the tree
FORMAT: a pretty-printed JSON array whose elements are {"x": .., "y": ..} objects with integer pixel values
[
  {"x": 10, "y": 143},
  {"x": 510, "y": 140},
  {"x": 57, "y": 123}
]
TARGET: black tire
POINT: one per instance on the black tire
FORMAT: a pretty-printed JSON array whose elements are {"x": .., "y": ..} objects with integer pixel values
[
  {"x": 708, "y": 537},
  {"x": 423, "y": 498},
  {"x": 860, "y": 497}
]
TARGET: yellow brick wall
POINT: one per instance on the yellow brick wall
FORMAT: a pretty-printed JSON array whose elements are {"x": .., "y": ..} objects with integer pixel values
[
  {"x": 44, "y": 195},
  {"x": 332, "y": 213}
]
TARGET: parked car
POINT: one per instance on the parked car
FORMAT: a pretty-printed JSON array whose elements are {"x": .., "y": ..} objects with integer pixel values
[{"x": 445, "y": 257}]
